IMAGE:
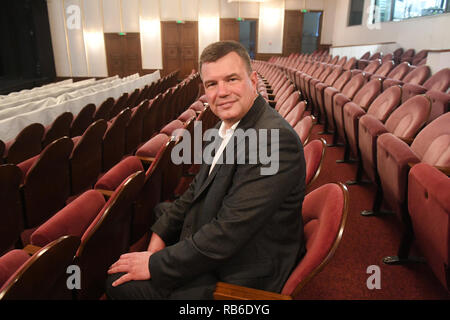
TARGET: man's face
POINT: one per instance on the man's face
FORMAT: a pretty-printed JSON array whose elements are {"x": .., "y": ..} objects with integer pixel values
[{"x": 229, "y": 89}]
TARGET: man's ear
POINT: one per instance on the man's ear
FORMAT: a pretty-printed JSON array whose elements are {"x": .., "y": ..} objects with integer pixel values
[{"x": 254, "y": 79}]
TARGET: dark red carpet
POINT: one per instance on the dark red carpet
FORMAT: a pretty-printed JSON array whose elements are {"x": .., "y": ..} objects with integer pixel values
[{"x": 366, "y": 240}]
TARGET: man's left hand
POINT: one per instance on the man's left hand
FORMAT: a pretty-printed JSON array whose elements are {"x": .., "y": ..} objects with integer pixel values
[{"x": 135, "y": 266}]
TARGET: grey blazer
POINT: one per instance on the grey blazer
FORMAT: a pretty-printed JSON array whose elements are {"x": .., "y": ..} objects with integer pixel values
[{"x": 235, "y": 225}]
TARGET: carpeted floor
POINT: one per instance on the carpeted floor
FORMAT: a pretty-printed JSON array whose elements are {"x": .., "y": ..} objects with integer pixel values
[{"x": 365, "y": 241}]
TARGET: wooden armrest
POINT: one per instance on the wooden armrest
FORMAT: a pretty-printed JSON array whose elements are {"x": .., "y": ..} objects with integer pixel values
[
  {"x": 147, "y": 160},
  {"x": 272, "y": 103},
  {"x": 271, "y": 95},
  {"x": 105, "y": 193},
  {"x": 31, "y": 249},
  {"x": 227, "y": 291},
  {"x": 407, "y": 140}
]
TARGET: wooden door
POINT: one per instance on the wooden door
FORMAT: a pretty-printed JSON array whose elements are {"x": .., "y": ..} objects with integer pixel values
[
  {"x": 293, "y": 28},
  {"x": 180, "y": 47},
  {"x": 229, "y": 29},
  {"x": 123, "y": 54}
]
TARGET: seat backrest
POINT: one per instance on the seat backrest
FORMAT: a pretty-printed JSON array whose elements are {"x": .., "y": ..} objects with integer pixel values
[
  {"x": 131, "y": 101},
  {"x": 409, "y": 118},
  {"x": 342, "y": 61},
  {"x": 82, "y": 120},
  {"x": 422, "y": 54},
  {"x": 314, "y": 155},
  {"x": 304, "y": 128},
  {"x": 102, "y": 111},
  {"x": 2, "y": 150},
  {"x": 58, "y": 129},
  {"x": 385, "y": 68},
  {"x": 86, "y": 157},
  {"x": 385, "y": 103},
  {"x": 119, "y": 105},
  {"x": 294, "y": 116},
  {"x": 418, "y": 75},
  {"x": 353, "y": 85},
  {"x": 399, "y": 72},
  {"x": 335, "y": 73},
  {"x": 27, "y": 144},
  {"x": 432, "y": 143},
  {"x": 135, "y": 127},
  {"x": 367, "y": 93},
  {"x": 11, "y": 207},
  {"x": 43, "y": 276},
  {"x": 350, "y": 64},
  {"x": 429, "y": 207},
  {"x": 407, "y": 55},
  {"x": 440, "y": 103},
  {"x": 324, "y": 214},
  {"x": 47, "y": 183},
  {"x": 440, "y": 81},
  {"x": 373, "y": 66},
  {"x": 114, "y": 139},
  {"x": 288, "y": 104},
  {"x": 365, "y": 56},
  {"x": 107, "y": 237},
  {"x": 342, "y": 80}
]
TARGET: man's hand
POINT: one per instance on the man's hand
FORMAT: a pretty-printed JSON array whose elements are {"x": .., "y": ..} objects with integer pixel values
[{"x": 134, "y": 264}]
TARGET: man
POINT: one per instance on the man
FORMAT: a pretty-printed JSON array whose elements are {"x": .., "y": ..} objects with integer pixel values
[{"x": 233, "y": 224}]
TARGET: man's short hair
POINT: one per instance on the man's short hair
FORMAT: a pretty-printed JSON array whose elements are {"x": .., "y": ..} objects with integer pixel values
[{"x": 217, "y": 50}]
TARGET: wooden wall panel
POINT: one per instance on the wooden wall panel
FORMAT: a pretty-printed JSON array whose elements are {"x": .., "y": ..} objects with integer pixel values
[
  {"x": 293, "y": 28},
  {"x": 123, "y": 54}
]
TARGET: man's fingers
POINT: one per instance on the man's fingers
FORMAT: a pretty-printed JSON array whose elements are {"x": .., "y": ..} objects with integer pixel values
[{"x": 125, "y": 278}]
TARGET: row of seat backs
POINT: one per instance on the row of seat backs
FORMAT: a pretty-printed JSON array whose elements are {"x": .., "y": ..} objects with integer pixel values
[{"x": 33, "y": 138}]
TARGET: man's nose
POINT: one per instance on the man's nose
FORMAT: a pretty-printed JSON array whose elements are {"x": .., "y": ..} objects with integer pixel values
[{"x": 223, "y": 89}]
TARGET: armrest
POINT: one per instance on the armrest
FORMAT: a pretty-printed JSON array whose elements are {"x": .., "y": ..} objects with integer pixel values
[
  {"x": 146, "y": 160},
  {"x": 271, "y": 95},
  {"x": 105, "y": 193},
  {"x": 272, "y": 103},
  {"x": 227, "y": 291},
  {"x": 31, "y": 249}
]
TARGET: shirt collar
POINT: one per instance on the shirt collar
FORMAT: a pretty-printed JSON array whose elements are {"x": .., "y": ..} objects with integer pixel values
[{"x": 223, "y": 133}]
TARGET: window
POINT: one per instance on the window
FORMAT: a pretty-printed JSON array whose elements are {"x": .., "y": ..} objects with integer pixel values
[
  {"x": 396, "y": 10},
  {"x": 356, "y": 12}
]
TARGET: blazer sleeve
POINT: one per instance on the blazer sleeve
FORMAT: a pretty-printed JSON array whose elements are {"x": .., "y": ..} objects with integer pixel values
[{"x": 248, "y": 205}]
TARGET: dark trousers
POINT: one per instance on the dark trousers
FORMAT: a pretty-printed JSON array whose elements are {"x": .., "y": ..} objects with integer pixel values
[{"x": 200, "y": 288}]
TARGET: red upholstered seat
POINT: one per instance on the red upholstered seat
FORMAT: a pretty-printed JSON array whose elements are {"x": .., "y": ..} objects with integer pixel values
[
  {"x": 119, "y": 105},
  {"x": 429, "y": 209},
  {"x": 151, "y": 147},
  {"x": 104, "y": 109},
  {"x": 324, "y": 214},
  {"x": 288, "y": 104},
  {"x": 415, "y": 76},
  {"x": 135, "y": 127},
  {"x": 39, "y": 277}
]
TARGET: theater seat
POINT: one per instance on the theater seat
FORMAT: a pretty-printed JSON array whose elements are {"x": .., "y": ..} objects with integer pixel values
[
  {"x": 39, "y": 277},
  {"x": 416, "y": 76},
  {"x": 394, "y": 157},
  {"x": 324, "y": 214},
  {"x": 82, "y": 120},
  {"x": 104, "y": 229},
  {"x": 294, "y": 116},
  {"x": 404, "y": 122},
  {"x": 429, "y": 208}
]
